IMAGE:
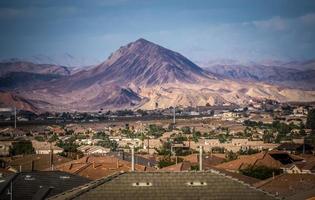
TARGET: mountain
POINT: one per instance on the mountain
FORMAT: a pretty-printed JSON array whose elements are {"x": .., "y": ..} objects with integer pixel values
[
  {"x": 29, "y": 67},
  {"x": 142, "y": 75},
  {"x": 141, "y": 63},
  {"x": 18, "y": 74},
  {"x": 297, "y": 77},
  {"x": 64, "y": 59},
  {"x": 8, "y": 100}
]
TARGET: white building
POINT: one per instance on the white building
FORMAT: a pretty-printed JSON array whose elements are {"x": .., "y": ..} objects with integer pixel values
[
  {"x": 45, "y": 147},
  {"x": 89, "y": 150}
]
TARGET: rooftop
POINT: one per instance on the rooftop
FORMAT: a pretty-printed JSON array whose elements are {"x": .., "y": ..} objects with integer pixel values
[
  {"x": 165, "y": 185},
  {"x": 41, "y": 161},
  {"x": 272, "y": 159},
  {"x": 38, "y": 185},
  {"x": 290, "y": 186},
  {"x": 96, "y": 167}
]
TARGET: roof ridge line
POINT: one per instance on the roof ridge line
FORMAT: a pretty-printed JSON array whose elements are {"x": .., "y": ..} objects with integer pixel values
[
  {"x": 264, "y": 182},
  {"x": 87, "y": 187},
  {"x": 242, "y": 182},
  {"x": 8, "y": 181},
  {"x": 82, "y": 168}
]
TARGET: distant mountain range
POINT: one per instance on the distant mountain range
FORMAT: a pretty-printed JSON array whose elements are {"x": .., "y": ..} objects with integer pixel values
[
  {"x": 145, "y": 75},
  {"x": 298, "y": 77},
  {"x": 64, "y": 59}
]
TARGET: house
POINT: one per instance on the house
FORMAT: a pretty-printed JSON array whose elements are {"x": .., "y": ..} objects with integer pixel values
[
  {"x": 5, "y": 148},
  {"x": 95, "y": 167},
  {"x": 300, "y": 111},
  {"x": 165, "y": 185},
  {"x": 38, "y": 185},
  {"x": 45, "y": 147},
  {"x": 302, "y": 167},
  {"x": 212, "y": 142},
  {"x": 289, "y": 186},
  {"x": 139, "y": 159},
  {"x": 272, "y": 159},
  {"x": 296, "y": 148},
  {"x": 239, "y": 142},
  {"x": 182, "y": 166},
  {"x": 207, "y": 160},
  {"x": 152, "y": 144},
  {"x": 34, "y": 162},
  {"x": 88, "y": 150}
]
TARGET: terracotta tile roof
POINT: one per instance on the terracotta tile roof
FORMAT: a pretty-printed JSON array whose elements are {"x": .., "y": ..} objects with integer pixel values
[
  {"x": 96, "y": 167},
  {"x": 45, "y": 146},
  {"x": 273, "y": 159},
  {"x": 290, "y": 186},
  {"x": 192, "y": 158},
  {"x": 39, "y": 185},
  {"x": 41, "y": 161},
  {"x": 246, "y": 179},
  {"x": 5, "y": 172},
  {"x": 165, "y": 185},
  {"x": 183, "y": 166},
  {"x": 139, "y": 159}
]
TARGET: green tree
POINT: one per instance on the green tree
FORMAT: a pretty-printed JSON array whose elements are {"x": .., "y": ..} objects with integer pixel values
[
  {"x": 165, "y": 161},
  {"x": 217, "y": 149},
  {"x": 155, "y": 130},
  {"x": 69, "y": 145},
  {"x": 310, "y": 122},
  {"x": 105, "y": 141},
  {"x": 260, "y": 172},
  {"x": 39, "y": 138},
  {"x": 186, "y": 130},
  {"x": 113, "y": 145},
  {"x": 268, "y": 136},
  {"x": 22, "y": 147},
  {"x": 230, "y": 155},
  {"x": 165, "y": 149},
  {"x": 53, "y": 138},
  {"x": 248, "y": 151}
]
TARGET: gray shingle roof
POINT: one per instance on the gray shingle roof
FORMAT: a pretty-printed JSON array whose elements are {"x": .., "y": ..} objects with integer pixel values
[
  {"x": 39, "y": 184},
  {"x": 166, "y": 185}
]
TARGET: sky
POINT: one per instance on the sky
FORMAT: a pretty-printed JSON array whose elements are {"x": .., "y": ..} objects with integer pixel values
[{"x": 246, "y": 30}]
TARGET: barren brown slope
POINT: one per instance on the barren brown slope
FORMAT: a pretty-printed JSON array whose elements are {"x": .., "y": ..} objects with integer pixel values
[
  {"x": 141, "y": 74},
  {"x": 8, "y": 100}
]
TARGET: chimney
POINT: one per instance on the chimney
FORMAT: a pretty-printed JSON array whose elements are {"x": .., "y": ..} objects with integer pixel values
[
  {"x": 273, "y": 175},
  {"x": 148, "y": 145},
  {"x": 132, "y": 158},
  {"x": 32, "y": 165},
  {"x": 200, "y": 158},
  {"x": 303, "y": 146}
]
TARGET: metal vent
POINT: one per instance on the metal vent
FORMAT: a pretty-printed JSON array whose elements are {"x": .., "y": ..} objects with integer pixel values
[
  {"x": 196, "y": 183},
  {"x": 142, "y": 184},
  {"x": 29, "y": 178},
  {"x": 64, "y": 177}
]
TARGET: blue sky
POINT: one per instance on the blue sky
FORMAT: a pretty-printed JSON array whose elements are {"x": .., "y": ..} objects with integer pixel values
[{"x": 201, "y": 30}]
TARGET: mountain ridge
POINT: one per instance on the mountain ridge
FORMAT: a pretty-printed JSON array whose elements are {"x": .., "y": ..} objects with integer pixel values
[{"x": 142, "y": 74}]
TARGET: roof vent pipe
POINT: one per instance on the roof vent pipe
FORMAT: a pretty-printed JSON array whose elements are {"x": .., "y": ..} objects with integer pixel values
[
  {"x": 200, "y": 158},
  {"x": 132, "y": 158}
]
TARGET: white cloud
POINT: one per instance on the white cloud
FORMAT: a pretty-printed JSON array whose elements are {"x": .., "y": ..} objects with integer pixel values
[
  {"x": 275, "y": 23},
  {"x": 308, "y": 19}
]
